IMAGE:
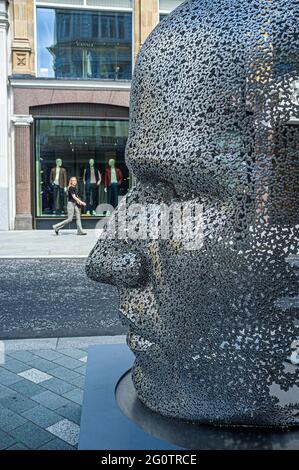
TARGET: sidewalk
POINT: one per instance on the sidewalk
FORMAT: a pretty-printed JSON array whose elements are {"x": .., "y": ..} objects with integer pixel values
[
  {"x": 45, "y": 244},
  {"x": 41, "y": 391},
  {"x": 42, "y": 380}
]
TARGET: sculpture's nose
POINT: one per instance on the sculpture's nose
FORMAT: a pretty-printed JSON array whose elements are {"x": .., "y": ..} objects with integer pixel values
[
  {"x": 119, "y": 257},
  {"x": 114, "y": 262}
]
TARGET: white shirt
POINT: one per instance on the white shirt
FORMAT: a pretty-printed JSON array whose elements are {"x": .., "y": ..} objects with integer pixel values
[
  {"x": 113, "y": 176},
  {"x": 92, "y": 175},
  {"x": 56, "y": 181}
]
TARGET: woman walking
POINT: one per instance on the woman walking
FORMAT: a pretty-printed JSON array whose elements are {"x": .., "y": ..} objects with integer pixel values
[{"x": 73, "y": 207}]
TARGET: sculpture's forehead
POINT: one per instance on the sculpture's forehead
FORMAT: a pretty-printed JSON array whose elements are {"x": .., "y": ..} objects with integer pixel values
[
  {"x": 192, "y": 55},
  {"x": 196, "y": 32},
  {"x": 206, "y": 33},
  {"x": 203, "y": 52}
]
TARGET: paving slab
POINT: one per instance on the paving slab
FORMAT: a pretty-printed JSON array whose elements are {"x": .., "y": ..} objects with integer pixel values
[
  {"x": 79, "y": 382},
  {"x": 6, "y": 440},
  {"x": 33, "y": 400},
  {"x": 74, "y": 353},
  {"x": 57, "y": 386},
  {"x": 42, "y": 416},
  {"x": 17, "y": 402},
  {"x": 5, "y": 391},
  {"x": 10, "y": 420},
  {"x": 42, "y": 364},
  {"x": 31, "y": 435},
  {"x": 83, "y": 359},
  {"x": 81, "y": 370},
  {"x": 27, "y": 388},
  {"x": 18, "y": 446},
  {"x": 65, "y": 374},
  {"x": 71, "y": 411},
  {"x": 34, "y": 375},
  {"x": 50, "y": 399},
  {"x": 7, "y": 377},
  {"x": 57, "y": 444},
  {"x": 13, "y": 365},
  {"x": 23, "y": 356},
  {"x": 66, "y": 430},
  {"x": 48, "y": 354},
  {"x": 68, "y": 362},
  {"x": 75, "y": 395}
]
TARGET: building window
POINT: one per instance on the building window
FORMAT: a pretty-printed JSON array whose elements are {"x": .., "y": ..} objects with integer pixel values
[
  {"x": 72, "y": 146},
  {"x": 84, "y": 44}
]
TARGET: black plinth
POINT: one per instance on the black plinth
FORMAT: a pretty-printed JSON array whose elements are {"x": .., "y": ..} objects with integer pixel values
[
  {"x": 103, "y": 425},
  {"x": 113, "y": 418}
]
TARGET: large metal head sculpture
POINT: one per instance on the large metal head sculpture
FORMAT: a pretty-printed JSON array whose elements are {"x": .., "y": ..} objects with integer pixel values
[{"x": 213, "y": 324}]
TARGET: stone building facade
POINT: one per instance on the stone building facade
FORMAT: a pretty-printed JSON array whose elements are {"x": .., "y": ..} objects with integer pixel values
[{"x": 69, "y": 66}]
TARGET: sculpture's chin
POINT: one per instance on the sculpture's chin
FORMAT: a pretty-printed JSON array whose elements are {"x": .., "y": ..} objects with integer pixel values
[{"x": 171, "y": 393}]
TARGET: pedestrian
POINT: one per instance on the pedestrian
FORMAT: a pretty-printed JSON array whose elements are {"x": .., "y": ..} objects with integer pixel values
[{"x": 73, "y": 208}]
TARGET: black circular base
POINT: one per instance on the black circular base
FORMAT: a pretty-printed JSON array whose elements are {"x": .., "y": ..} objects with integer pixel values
[{"x": 196, "y": 436}]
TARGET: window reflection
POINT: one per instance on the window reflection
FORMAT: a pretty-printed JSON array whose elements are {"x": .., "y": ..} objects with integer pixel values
[
  {"x": 72, "y": 144},
  {"x": 84, "y": 44}
]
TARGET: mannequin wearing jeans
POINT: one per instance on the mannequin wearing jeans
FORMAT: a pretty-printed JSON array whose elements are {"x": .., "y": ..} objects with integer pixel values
[
  {"x": 73, "y": 208},
  {"x": 113, "y": 181}
]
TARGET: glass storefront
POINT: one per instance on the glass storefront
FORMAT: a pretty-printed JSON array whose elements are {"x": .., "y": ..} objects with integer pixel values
[
  {"x": 84, "y": 44},
  {"x": 83, "y": 148}
]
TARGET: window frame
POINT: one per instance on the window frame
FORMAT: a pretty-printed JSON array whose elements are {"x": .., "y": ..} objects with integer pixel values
[
  {"x": 50, "y": 5},
  {"x": 34, "y": 188}
]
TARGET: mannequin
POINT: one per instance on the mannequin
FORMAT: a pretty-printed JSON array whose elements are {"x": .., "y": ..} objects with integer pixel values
[
  {"x": 58, "y": 180},
  {"x": 92, "y": 180},
  {"x": 113, "y": 181}
]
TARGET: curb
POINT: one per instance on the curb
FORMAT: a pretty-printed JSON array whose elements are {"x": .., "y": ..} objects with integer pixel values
[{"x": 59, "y": 343}]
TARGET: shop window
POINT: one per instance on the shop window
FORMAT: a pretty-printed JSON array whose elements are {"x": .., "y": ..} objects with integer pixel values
[
  {"x": 71, "y": 147},
  {"x": 84, "y": 44}
]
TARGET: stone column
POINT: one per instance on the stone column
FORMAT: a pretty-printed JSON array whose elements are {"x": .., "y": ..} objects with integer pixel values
[
  {"x": 23, "y": 51},
  {"x": 4, "y": 199},
  {"x": 23, "y": 220},
  {"x": 146, "y": 18}
]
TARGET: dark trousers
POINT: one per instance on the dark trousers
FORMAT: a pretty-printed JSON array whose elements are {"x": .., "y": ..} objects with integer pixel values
[
  {"x": 112, "y": 193},
  {"x": 58, "y": 198},
  {"x": 92, "y": 190}
]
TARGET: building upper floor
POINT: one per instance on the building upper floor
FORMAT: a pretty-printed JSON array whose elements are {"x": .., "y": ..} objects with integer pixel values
[{"x": 81, "y": 40}]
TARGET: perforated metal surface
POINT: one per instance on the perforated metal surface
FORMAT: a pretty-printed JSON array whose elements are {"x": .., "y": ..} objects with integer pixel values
[{"x": 213, "y": 328}]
